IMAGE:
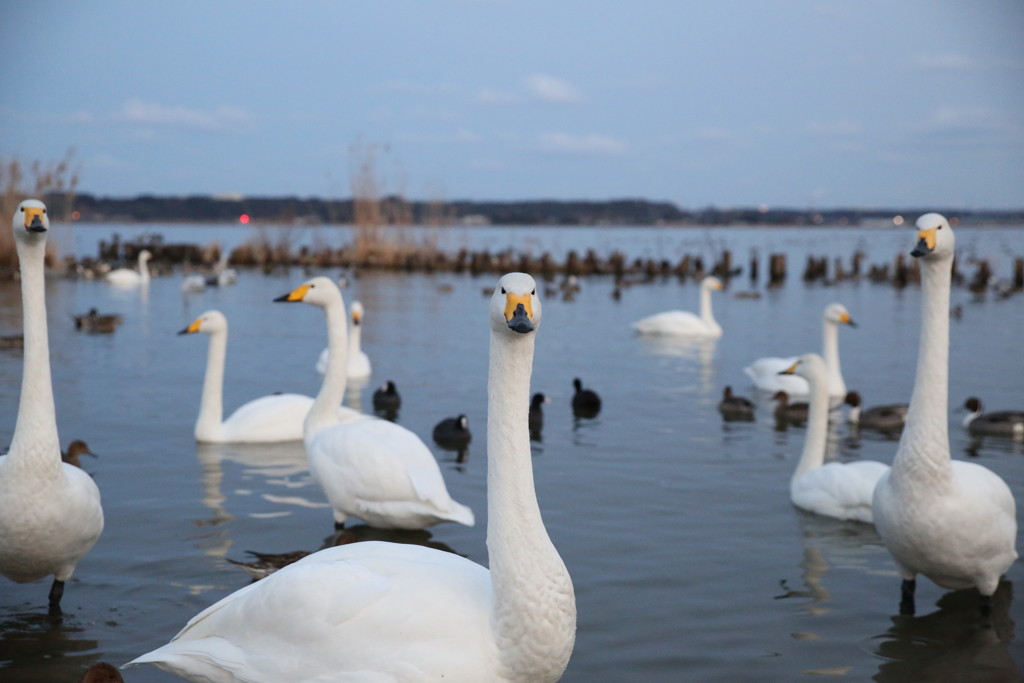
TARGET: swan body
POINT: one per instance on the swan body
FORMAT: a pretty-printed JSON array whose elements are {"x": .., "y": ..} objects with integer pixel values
[
  {"x": 883, "y": 418},
  {"x": 269, "y": 419},
  {"x": 684, "y": 323},
  {"x": 358, "y": 366},
  {"x": 832, "y": 489},
  {"x": 377, "y": 611},
  {"x": 126, "y": 277},
  {"x": 372, "y": 469},
  {"x": 1006, "y": 423},
  {"x": 765, "y": 372},
  {"x": 953, "y": 521},
  {"x": 50, "y": 511}
]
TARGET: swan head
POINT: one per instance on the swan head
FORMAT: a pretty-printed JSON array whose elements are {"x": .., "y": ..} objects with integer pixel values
[
  {"x": 515, "y": 306},
  {"x": 934, "y": 236},
  {"x": 144, "y": 256},
  {"x": 837, "y": 313},
  {"x": 713, "y": 283},
  {"x": 810, "y": 366},
  {"x": 30, "y": 221},
  {"x": 356, "y": 312},
  {"x": 209, "y": 322},
  {"x": 320, "y": 291}
]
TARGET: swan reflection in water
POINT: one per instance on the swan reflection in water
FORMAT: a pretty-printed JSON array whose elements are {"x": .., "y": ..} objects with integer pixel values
[{"x": 953, "y": 643}]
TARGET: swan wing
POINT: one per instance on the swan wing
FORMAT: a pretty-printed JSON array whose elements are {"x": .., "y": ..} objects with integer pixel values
[
  {"x": 764, "y": 373},
  {"x": 124, "y": 277},
  {"x": 277, "y": 417},
  {"x": 332, "y": 616},
  {"x": 675, "y": 323},
  {"x": 839, "y": 490}
]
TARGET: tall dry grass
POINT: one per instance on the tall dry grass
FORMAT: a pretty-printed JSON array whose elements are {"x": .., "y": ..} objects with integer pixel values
[{"x": 54, "y": 182}]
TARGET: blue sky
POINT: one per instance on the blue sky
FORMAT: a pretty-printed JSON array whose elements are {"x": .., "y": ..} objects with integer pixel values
[{"x": 794, "y": 103}]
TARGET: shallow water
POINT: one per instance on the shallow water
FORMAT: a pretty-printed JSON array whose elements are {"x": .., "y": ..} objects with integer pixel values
[{"x": 688, "y": 560}]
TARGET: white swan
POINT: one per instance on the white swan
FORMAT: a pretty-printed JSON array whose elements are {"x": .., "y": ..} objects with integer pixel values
[
  {"x": 50, "y": 511},
  {"x": 684, "y": 323},
  {"x": 126, "y": 277},
  {"x": 953, "y": 521},
  {"x": 764, "y": 372},
  {"x": 833, "y": 489},
  {"x": 372, "y": 469},
  {"x": 378, "y": 611},
  {"x": 358, "y": 362},
  {"x": 268, "y": 419}
]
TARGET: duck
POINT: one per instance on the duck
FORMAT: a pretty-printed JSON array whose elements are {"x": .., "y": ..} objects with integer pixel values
[
  {"x": 841, "y": 490},
  {"x": 793, "y": 412},
  {"x": 95, "y": 323},
  {"x": 888, "y": 418},
  {"x": 269, "y": 419},
  {"x": 76, "y": 449},
  {"x": 766, "y": 373},
  {"x": 453, "y": 432},
  {"x": 375, "y": 470},
  {"x": 51, "y": 514},
  {"x": 953, "y": 521},
  {"x": 126, "y": 277},
  {"x": 536, "y": 414},
  {"x": 684, "y": 323},
  {"x": 358, "y": 362},
  {"x": 12, "y": 341},
  {"x": 101, "y": 672},
  {"x": 585, "y": 402},
  {"x": 735, "y": 408},
  {"x": 386, "y": 399},
  {"x": 401, "y": 612},
  {"x": 1008, "y": 423}
]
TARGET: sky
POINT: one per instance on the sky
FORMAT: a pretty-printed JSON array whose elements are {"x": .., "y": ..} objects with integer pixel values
[{"x": 784, "y": 103}]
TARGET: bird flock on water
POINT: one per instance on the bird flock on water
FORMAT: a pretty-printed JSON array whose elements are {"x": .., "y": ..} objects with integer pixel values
[{"x": 375, "y": 610}]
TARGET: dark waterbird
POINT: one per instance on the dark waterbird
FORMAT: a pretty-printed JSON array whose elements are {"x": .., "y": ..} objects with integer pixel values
[
  {"x": 585, "y": 402},
  {"x": 537, "y": 415},
  {"x": 735, "y": 408},
  {"x": 453, "y": 433},
  {"x": 386, "y": 400}
]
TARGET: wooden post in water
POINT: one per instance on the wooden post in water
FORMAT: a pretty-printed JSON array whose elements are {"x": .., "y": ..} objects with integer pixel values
[
  {"x": 776, "y": 270},
  {"x": 753, "y": 266}
]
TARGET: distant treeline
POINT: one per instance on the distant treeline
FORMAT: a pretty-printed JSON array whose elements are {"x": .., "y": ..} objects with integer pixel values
[{"x": 149, "y": 208}]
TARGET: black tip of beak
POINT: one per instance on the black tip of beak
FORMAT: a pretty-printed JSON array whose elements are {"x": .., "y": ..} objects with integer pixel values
[
  {"x": 852, "y": 324},
  {"x": 921, "y": 249},
  {"x": 36, "y": 225},
  {"x": 184, "y": 331},
  {"x": 519, "y": 321},
  {"x": 284, "y": 298}
]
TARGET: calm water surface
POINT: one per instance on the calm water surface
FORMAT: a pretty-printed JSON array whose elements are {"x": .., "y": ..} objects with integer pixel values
[{"x": 688, "y": 560}]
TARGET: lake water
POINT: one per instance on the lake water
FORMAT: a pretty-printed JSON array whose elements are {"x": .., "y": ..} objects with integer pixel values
[{"x": 689, "y": 561}]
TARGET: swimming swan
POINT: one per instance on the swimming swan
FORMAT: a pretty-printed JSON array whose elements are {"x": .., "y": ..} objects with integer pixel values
[
  {"x": 358, "y": 362},
  {"x": 269, "y": 419},
  {"x": 1006, "y": 423},
  {"x": 376, "y": 611},
  {"x": 951, "y": 520},
  {"x": 372, "y": 469},
  {"x": 833, "y": 489},
  {"x": 50, "y": 511},
  {"x": 684, "y": 323},
  {"x": 765, "y": 372},
  {"x": 126, "y": 277}
]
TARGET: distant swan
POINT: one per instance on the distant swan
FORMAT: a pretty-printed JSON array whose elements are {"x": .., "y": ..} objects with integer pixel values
[
  {"x": 887, "y": 418},
  {"x": 684, "y": 323},
  {"x": 358, "y": 362},
  {"x": 50, "y": 511},
  {"x": 951, "y": 520},
  {"x": 126, "y": 277},
  {"x": 1008, "y": 423},
  {"x": 377, "y": 611},
  {"x": 764, "y": 372},
  {"x": 833, "y": 489},
  {"x": 372, "y": 469},
  {"x": 268, "y": 419}
]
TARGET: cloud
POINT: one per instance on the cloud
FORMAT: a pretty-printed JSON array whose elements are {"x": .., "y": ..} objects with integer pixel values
[
  {"x": 599, "y": 145},
  {"x": 493, "y": 96},
  {"x": 153, "y": 114},
  {"x": 551, "y": 89},
  {"x": 942, "y": 61},
  {"x": 838, "y": 128}
]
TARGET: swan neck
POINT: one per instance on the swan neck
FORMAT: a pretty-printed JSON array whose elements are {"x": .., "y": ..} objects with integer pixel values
[
  {"x": 706, "y": 314},
  {"x": 324, "y": 411},
  {"x": 355, "y": 333},
  {"x": 211, "y": 404},
  {"x": 35, "y": 431},
  {"x": 816, "y": 439},
  {"x": 143, "y": 269},
  {"x": 924, "y": 444},
  {"x": 830, "y": 352}
]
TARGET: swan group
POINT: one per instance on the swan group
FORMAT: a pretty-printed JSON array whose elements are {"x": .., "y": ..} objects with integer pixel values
[
  {"x": 50, "y": 511},
  {"x": 766, "y": 373},
  {"x": 685, "y": 323},
  {"x": 384, "y": 611},
  {"x": 951, "y": 520}
]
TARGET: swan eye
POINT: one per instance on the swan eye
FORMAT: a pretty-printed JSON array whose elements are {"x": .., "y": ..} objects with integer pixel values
[
  {"x": 503, "y": 291},
  {"x": 534, "y": 292}
]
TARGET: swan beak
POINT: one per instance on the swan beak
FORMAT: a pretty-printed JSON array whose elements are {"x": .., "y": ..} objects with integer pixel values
[
  {"x": 191, "y": 329},
  {"x": 34, "y": 219},
  {"x": 297, "y": 294},
  {"x": 790, "y": 370},
  {"x": 356, "y": 318},
  {"x": 845, "y": 318},
  {"x": 518, "y": 312},
  {"x": 926, "y": 242}
]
